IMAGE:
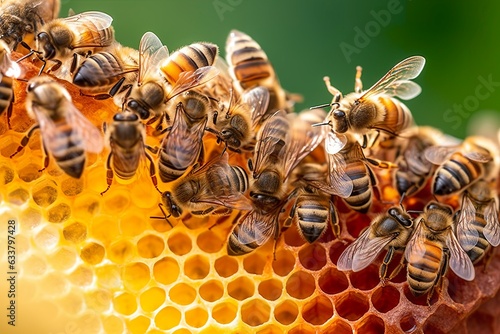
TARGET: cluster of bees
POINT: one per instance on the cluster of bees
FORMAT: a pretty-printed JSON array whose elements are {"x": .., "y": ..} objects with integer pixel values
[{"x": 275, "y": 166}]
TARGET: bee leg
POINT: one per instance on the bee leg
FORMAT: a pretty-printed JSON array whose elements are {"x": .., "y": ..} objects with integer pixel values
[
  {"x": 54, "y": 67},
  {"x": 381, "y": 164},
  {"x": 152, "y": 171},
  {"x": 358, "y": 84},
  {"x": 115, "y": 89},
  {"x": 160, "y": 205},
  {"x": 385, "y": 264},
  {"x": 203, "y": 212},
  {"x": 25, "y": 140},
  {"x": 334, "y": 220},
  {"x": 376, "y": 188},
  {"x": 109, "y": 173},
  {"x": 277, "y": 234},
  {"x": 9, "y": 112},
  {"x": 45, "y": 159}
]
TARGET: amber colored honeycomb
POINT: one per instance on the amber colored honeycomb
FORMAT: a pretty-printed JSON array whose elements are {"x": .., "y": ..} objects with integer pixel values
[{"x": 88, "y": 263}]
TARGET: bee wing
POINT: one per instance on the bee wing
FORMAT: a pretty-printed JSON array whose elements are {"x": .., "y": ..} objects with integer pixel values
[
  {"x": 415, "y": 249},
  {"x": 398, "y": 76},
  {"x": 460, "y": 262},
  {"x": 91, "y": 136},
  {"x": 334, "y": 142},
  {"x": 340, "y": 183},
  {"x": 258, "y": 100},
  {"x": 192, "y": 79},
  {"x": 151, "y": 53},
  {"x": 467, "y": 235},
  {"x": 492, "y": 229},
  {"x": 478, "y": 156},
  {"x": 438, "y": 154},
  {"x": 256, "y": 228},
  {"x": 48, "y": 128},
  {"x": 405, "y": 90},
  {"x": 89, "y": 28}
]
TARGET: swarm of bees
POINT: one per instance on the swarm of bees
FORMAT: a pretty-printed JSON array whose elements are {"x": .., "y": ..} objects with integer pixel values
[{"x": 228, "y": 138}]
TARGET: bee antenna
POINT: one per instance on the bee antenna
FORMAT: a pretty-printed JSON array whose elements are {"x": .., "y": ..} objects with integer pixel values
[
  {"x": 415, "y": 211},
  {"x": 320, "y": 124},
  {"x": 320, "y": 106},
  {"x": 401, "y": 200}
]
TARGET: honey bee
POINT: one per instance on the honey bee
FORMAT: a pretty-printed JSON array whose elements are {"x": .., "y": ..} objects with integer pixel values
[
  {"x": 8, "y": 71},
  {"x": 461, "y": 165},
  {"x": 213, "y": 188},
  {"x": 478, "y": 227},
  {"x": 66, "y": 133},
  {"x": 126, "y": 137},
  {"x": 431, "y": 248},
  {"x": 250, "y": 67},
  {"x": 390, "y": 231},
  {"x": 22, "y": 18},
  {"x": 60, "y": 39},
  {"x": 376, "y": 109},
  {"x": 282, "y": 143}
]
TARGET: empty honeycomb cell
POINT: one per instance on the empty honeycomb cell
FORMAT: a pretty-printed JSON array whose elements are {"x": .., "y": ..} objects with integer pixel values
[
  {"x": 254, "y": 263},
  {"x": 132, "y": 224},
  {"x": 179, "y": 243},
  {"x": 108, "y": 276},
  {"x": 54, "y": 285},
  {"x": 197, "y": 267},
  {"x": 226, "y": 266},
  {"x": 151, "y": 299},
  {"x": 150, "y": 246},
  {"x": 225, "y": 312},
  {"x": 271, "y": 289},
  {"x": 396, "y": 260},
  {"x": 141, "y": 194},
  {"x": 166, "y": 270},
  {"x": 45, "y": 195},
  {"x": 360, "y": 222},
  {"x": 72, "y": 303},
  {"x": 138, "y": 325},
  {"x": 18, "y": 196},
  {"x": 6, "y": 175},
  {"x": 81, "y": 276},
  {"x": 284, "y": 262},
  {"x": 211, "y": 290},
  {"x": 182, "y": 294},
  {"x": 196, "y": 317},
  {"x": 255, "y": 312},
  {"x": 286, "y": 312},
  {"x": 209, "y": 242},
  {"x": 99, "y": 300},
  {"x": 160, "y": 225},
  {"x": 318, "y": 310},
  {"x": 113, "y": 324},
  {"x": 371, "y": 324},
  {"x": 121, "y": 252},
  {"x": 71, "y": 186},
  {"x": 407, "y": 323},
  {"x": 336, "y": 249},
  {"x": 125, "y": 303},
  {"x": 365, "y": 279},
  {"x": 86, "y": 206},
  {"x": 385, "y": 298},
  {"x": 332, "y": 281},
  {"x": 47, "y": 238},
  {"x": 461, "y": 292},
  {"x": 30, "y": 172},
  {"x": 292, "y": 237},
  {"x": 105, "y": 229},
  {"x": 241, "y": 288},
  {"x": 339, "y": 326},
  {"x": 167, "y": 318},
  {"x": 352, "y": 305},
  {"x": 181, "y": 331},
  {"x": 30, "y": 218},
  {"x": 75, "y": 232},
  {"x": 312, "y": 256},
  {"x": 136, "y": 276},
  {"x": 304, "y": 328},
  {"x": 34, "y": 266},
  {"x": 59, "y": 213},
  {"x": 300, "y": 285},
  {"x": 92, "y": 253},
  {"x": 270, "y": 329},
  {"x": 63, "y": 258},
  {"x": 435, "y": 323},
  {"x": 116, "y": 201},
  {"x": 420, "y": 300}
]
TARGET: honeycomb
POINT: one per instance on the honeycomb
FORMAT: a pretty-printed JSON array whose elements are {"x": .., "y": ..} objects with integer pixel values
[{"x": 88, "y": 263}]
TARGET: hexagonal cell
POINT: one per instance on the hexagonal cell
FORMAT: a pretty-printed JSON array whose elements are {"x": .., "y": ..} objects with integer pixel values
[
  {"x": 360, "y": 223},
  {"x": 255, "y": 312},
  {"x": 371, "y": 325},
  {"x": 385, "y": 298},
  {"x": 108, "y": 276},
  {"x": 182, "y": 294},
  {"x": 196, "y": 317},
  {"x": 113, "y": 324},
  {"x": 125, "y": 303},
  {"x": 82, "y": 276},
  {"x": 312, "y": 256},
  {"x": 166, "y": 270},
  {"x": 286, "y": 312},
  {"x": 304, "y": 328},
  {"x": 336, "y": 249},
  {"x": 460, "y": 291},
  {"x": 44, "y": 193},
  {"x": 116, "y": 201},
  {"x": 47, "y": 238},
  {"x": 29, "y": 172},
  {"x": 92, "y": 253},
  {"x": 150, "y": 246},
  {"x": 135, "y": 276},
  {"x": 407, "y": 323},
  {"x": 435, "y": 323},
  {"x": 59, "y": 213},
  {"x": 105, "y": 229},
  {"x": 254, "y": 263},
  {"x": 339, "y": 326},
  {"x": 224, "y": 312},
  {"x": 396, "y": 260},
  {"x": 209, "y": 242},
  {"x": 284, "y": 263},
  {"x": 332, "y": 281},
  {"x": 197, "y": 267},
  {"x": 138, "y": 325},
  {"x": 75, "y": 232},
  {"x": 365, "y": 279},
  {"x": 226, "y": 266},
  {"x": 211, "y": 290},
  {"x": 132, "y": 224},
  {"x": 179, "y": 243},
  {"x": 6, "y": 175},
  {"x": 63, "y": 258},
  {"x": 168, "y": 318},
  {"x": 292, "y": 237},
  {"x": 300, "y": 285},
  {"x": 30, "y": 218},
  {"x": 271, "y": 289},
  {"x": 18, "y": 196},
  {"x": 352, "y": 305},
  {"x": 71, "y": 186},
  {"x": 152, "y": 299},
  {"x": 99, "y": 300},
  {"x": 121, "y": 252},
  {"x": 86, "y": 206},
  {"x": 318, "y": 310},
  {"x": 420, "y": 300},
  {"x": 241, "y": 288}
]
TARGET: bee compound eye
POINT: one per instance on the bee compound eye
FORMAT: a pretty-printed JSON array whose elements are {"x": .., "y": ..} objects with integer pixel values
[
  {"x": 338, "y": 114},
  {"x": 31, "y": 87}
]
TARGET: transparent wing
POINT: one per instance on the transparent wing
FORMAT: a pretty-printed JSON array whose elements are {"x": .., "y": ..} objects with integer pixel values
[
  {"x": 151, "y": 53},
  {"x": 467, "y": 235},
  {"x": 460, "y": 262},
  {"x": 415, "y": 249},
  {"x": 334, "y": 142},
  {"x": 90, "y": 28},
  {"x": 405, "y": 90},
  {"x": 256, "y": 228},
  {"x": 478, "y": 156},
  {"x": 438, "y": 154},
  {"x": 258, "y": 100},
  {"x": 92, "y": 138},
  {"x": 398, "y": 76},
  {"x": 48, "y": 128},
  {"x": 192, "y": 79},
  {"x": 492, "y": 229},
  {"x": 339, "y": 183}
]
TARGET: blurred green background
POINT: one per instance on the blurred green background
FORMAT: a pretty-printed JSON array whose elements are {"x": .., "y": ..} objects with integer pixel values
[{"x": 305, "y": 42}]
